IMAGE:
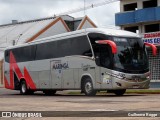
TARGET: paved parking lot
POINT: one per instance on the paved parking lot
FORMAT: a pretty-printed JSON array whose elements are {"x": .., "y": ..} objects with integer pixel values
[{"x": 13, "y": 101}]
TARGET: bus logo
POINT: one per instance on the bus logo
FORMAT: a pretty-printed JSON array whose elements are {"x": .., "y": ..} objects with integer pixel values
[{"x": 59, "y": 65}]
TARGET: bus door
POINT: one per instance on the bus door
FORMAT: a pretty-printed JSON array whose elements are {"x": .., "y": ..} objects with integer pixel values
[
  {"x": 56, "y": 74},
  {"x": 107, "y": 63},
  {"x": 104, "y": 59}
]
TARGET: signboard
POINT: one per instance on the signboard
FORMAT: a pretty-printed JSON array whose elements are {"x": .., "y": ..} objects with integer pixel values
[{"x": 153, "y": 38}]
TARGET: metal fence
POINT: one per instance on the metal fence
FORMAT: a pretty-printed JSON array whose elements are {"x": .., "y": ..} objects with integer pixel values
[{"x": 154, "y": 66}]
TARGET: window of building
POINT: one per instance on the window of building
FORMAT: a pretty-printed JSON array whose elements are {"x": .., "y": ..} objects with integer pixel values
[
  {"x": 130, "y": 7},
  {"x": 132, "y": 29},
  {"x": 152, "y": 28},
  {"x": 150, "y": 3}
]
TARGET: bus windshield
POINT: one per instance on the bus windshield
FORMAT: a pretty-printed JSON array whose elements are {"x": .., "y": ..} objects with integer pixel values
[{"x": 131, "y": 54}]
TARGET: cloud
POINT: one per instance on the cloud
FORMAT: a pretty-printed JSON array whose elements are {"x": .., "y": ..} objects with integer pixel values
[{"x": 22, "y": 10}]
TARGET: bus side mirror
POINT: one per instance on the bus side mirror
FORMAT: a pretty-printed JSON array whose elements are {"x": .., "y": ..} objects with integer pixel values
[
  {"x": 154, "y": 49},
  {"x": 109, "y": 42}
]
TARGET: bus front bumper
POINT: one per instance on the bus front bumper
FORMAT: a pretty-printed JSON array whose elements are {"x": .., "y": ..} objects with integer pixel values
[{"x": 123, "y": 84}]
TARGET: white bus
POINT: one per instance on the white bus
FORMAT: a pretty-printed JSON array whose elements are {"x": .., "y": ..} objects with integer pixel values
[{"x": 89, "y": 60}]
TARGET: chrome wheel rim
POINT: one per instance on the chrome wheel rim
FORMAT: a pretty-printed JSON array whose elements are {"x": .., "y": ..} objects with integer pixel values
[
  {"x": 88, "y": 87},
  {"x": 23, "y": 88}
]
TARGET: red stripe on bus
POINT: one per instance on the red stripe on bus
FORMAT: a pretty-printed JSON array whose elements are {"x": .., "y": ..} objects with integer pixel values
[
  {"x": 28, "y": 79},
  {"x": 14, "y": 68},
  {"x": 11, "y": 86}
]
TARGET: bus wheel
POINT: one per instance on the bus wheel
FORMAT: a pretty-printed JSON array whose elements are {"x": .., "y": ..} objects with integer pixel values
[
  {"x": 23, "y": 88},
  {"x": 87, "y": 87},
  {"x": 49, "y": 92},
  {"x": 119, "y": 92}
]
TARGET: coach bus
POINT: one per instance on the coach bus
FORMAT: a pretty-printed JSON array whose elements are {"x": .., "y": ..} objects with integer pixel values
[{"x": 89, "y": 60}]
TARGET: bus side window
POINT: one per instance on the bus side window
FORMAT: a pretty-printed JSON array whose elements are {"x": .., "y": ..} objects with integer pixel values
[{"x": 81, "y": 46}]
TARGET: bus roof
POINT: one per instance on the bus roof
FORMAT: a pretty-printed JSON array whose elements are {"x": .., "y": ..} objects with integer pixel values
[{"x": 111, "y": 32}]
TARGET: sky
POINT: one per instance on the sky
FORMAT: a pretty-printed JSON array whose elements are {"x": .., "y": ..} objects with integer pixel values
[{"x": 23, "y": 10}]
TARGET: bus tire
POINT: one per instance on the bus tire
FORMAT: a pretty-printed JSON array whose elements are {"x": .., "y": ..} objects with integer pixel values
[
  {"x": 119, "y": 92},
  {"x": 23, "y": 88},
  {"x": 87, "y": 87},
  {"x": 49, "y": 92}
]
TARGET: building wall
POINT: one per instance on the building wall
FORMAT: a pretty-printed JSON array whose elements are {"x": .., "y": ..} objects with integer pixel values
[
  {"x": 53, "y": 30},
  {"x": 141, "y": 25},
  {"x": 87, "y": 25}
]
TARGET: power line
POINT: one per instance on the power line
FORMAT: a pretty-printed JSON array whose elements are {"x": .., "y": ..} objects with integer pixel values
[{"x": 87, "y": 7}]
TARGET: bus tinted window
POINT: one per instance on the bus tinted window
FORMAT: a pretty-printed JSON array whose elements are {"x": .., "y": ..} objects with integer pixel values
[
  {"x": 78, "y": 46},
  {"x": 46, "y": 50},
  {"x": 61, "y": 48},
  {"x": 23, "y": 54},
  {"x": 55, "y": 49}
]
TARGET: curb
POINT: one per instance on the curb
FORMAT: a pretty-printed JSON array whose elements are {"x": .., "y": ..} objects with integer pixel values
[
  {"x": 143, "y": 93},
  {"x": 105, "y": 93}
]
